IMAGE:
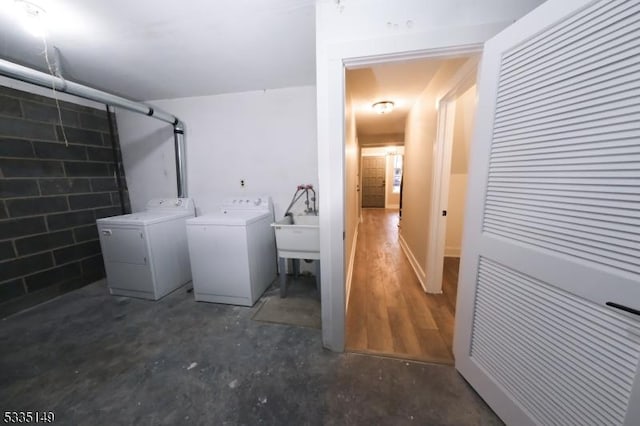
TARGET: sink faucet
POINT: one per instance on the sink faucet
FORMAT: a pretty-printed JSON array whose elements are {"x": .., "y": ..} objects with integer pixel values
[{"x": 300, "y": 191}]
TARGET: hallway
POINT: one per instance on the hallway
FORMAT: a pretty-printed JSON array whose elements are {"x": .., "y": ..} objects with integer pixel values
[{"x": 388, "y": 312}]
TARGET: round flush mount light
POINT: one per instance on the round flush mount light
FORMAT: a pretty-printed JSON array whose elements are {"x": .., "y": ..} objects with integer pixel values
[{"x": 383, "y": 107}]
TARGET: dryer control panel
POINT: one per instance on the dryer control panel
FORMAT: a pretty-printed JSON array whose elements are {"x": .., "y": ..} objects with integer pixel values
[
  {"x": 247, "y": 203},
  {"x": 176, "y": 204}
]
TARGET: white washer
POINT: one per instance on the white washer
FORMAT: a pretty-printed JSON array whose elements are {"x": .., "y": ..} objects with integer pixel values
[
  {"x": 233, "y": 251},
  {"x": 146, "y": 254}
]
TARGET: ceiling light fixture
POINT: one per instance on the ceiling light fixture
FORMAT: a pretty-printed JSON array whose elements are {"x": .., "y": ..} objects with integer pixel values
[{"x": 383, "y": 107}]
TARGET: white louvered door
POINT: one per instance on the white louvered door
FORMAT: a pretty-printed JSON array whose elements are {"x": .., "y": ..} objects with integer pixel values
[{"x": 551, "y": 251}]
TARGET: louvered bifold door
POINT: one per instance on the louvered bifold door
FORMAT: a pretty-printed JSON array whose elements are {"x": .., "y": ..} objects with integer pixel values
[{"x": 548, "y": 315}]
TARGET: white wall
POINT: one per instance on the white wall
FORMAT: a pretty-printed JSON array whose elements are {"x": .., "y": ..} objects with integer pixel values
[
  {"x": 382, "y": 150},
  {"x": 380, "y": 19},
  {"x": 360, "y": 31},
  {"x": 465, "y": 112},
  {"x": 266, "y": 138},
  {"x": 385, "y": 139},
  {"x": 352, "y": 193}
]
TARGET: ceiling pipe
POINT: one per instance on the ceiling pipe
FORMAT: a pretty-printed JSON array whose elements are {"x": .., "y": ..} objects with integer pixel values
[{"x": 19, "y": 72}]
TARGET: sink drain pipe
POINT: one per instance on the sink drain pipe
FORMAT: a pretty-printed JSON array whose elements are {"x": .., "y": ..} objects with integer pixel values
[{"x": 29, "y": 75}]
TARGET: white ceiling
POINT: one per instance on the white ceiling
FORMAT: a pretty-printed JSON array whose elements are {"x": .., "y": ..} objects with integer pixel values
[
  {"x": 399, "y": 82},
  {"x": 146, "y": 49}
]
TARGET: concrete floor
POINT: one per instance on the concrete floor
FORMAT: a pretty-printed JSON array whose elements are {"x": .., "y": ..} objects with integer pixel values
[{"x": 97, "y": 359}]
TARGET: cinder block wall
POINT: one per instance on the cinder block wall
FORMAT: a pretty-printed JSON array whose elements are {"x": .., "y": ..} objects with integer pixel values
[{"x": 51, "y": 196}]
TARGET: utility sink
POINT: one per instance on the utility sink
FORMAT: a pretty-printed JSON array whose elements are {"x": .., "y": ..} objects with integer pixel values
[
  {"x": 306, "y": 219},
  {"x": 298, "y": 237}
]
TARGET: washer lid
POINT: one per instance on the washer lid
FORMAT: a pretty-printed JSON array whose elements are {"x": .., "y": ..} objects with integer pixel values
[
  {"x": 229, "y": 218},
  {"x": 144, "y": 218}
]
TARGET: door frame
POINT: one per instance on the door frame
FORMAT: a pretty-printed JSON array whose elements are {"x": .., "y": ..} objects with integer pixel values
[{"x": 441, "y": 174}]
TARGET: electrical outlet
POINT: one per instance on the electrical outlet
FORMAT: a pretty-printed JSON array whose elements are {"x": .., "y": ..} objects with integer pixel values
[{"x": 242, "y": 182}]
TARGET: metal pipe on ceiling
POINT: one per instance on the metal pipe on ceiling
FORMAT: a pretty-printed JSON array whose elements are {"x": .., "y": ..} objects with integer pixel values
[{"x": 22, "y": 73}]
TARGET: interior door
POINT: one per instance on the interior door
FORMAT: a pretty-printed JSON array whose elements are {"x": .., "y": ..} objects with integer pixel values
[
  {"x": 547, "y": 325},
  {"x": 373, "y": 181}
]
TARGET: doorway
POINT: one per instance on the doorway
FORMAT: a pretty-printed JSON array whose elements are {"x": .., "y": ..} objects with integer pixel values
[
  {"x": 388, "y": 311},
  {"x": 453, "y": 141},
  {"x": 373, "y": 181}
]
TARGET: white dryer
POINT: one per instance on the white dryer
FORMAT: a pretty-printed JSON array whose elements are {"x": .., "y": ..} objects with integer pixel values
[
  {"x": 146, "y": 254},
  {"x": 233, "y": 251}
]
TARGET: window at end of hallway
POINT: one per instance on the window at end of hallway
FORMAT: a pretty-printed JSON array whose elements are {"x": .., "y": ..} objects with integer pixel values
[{"x": 397, "y": 173}]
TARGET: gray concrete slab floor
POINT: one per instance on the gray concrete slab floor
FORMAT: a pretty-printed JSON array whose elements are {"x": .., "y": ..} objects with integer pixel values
[{"x": 97, "y": 359}]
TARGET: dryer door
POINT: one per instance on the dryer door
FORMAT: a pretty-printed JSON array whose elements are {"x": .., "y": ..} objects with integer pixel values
[{"x": 123, "y": 245}]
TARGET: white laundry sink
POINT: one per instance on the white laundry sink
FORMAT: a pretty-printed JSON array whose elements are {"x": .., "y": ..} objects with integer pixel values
[
  {"x": 298, "y": 237},
  {"x": 306, "y": 219}
]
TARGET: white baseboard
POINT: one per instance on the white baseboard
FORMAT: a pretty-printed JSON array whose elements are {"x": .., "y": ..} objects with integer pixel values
[
  {"x": 392, "y": 206},
  {"x": 452, "y": 251},
  {"x": 422, "y": 277},
  {"x": 352, "y": 259}
]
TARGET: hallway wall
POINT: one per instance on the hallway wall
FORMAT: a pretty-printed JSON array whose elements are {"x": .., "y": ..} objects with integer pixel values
[{"x": 420, "y": 136}]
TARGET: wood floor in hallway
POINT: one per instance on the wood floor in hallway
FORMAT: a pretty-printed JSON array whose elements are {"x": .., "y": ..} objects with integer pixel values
[{"x": 389, "y": 313}]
